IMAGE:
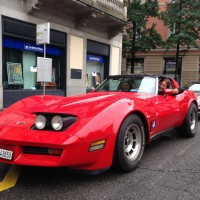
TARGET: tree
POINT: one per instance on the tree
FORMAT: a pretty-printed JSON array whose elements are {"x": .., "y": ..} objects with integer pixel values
[
  {"x": 183, "y": 19},
  {"x": 139, "y": 38}
]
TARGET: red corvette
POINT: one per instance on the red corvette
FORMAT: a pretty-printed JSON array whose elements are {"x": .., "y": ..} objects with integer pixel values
[{"x": 94, "y": 131}]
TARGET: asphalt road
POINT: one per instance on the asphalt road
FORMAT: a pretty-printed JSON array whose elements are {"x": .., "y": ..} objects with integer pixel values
[{"x": 169, "y": 170}]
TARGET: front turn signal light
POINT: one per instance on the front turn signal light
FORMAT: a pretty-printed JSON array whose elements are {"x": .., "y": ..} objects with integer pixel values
[{"x": 97, "y": 145}]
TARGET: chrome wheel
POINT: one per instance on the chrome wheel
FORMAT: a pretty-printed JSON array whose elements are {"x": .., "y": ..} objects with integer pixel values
[
  {"x": 132, "y": 142},
  {"x": 193, "y": 119},
  {"x": 189, "y": 125}
]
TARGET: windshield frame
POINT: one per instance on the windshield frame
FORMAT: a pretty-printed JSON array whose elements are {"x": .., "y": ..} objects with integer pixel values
[{"x": 145, "y": 84}]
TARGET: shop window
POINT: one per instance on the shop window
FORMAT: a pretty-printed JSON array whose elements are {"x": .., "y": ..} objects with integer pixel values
[
  {"x": 12, "y": 69},
  {"x": 94, "y": 71},
  {"x": 19, "y": 70}
]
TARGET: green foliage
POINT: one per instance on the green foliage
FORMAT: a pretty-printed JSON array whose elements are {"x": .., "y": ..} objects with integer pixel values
[
  {"x": 138, "y": 37},
  {"x": 183, "y": 18}
]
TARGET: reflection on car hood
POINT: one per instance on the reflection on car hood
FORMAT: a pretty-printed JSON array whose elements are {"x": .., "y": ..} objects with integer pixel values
[{"x": 94, "y": 102}]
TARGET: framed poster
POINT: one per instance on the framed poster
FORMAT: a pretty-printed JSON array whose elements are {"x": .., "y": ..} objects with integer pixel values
[{"x": 14, "y": 71}]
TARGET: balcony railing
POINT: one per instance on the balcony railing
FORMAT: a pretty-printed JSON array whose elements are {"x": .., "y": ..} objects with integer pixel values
[{"x": 112, "y": 7}]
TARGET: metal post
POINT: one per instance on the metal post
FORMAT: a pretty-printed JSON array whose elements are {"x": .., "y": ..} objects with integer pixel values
[{"x": 44, "y": 57}]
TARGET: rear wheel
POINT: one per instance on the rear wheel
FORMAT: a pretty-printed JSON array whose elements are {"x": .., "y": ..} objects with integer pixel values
[
  {"x": 130, "y": 144},
  {"x": 189, "y": 126}
]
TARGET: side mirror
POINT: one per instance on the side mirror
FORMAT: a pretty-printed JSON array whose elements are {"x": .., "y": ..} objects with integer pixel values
[{"x": 168, "y": 91}]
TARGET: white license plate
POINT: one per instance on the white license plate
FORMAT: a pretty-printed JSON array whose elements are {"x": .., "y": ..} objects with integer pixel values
[{"x": 6, "y": 154}]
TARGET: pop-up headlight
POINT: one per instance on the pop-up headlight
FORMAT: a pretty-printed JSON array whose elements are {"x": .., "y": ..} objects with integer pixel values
[
  {"x": 40, "y": 121},
  {"x": 57, "y": 122}
]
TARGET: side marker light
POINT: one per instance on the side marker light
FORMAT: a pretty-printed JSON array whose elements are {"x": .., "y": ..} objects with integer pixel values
[{"x": 97, "y": 145}]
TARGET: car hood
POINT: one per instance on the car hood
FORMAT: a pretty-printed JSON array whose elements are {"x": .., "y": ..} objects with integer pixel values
[{"x": 82, "y": 106}]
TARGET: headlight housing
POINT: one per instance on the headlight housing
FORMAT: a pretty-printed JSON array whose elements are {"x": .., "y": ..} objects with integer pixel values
[
  {"x": 51, "y": 121},
  {"x": 40, "y": 121}
]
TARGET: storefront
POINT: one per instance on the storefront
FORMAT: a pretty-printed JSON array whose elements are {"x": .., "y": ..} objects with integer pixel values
[{"x": 19, "y": 63}]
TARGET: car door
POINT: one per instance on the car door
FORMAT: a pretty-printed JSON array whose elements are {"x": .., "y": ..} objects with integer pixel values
[{"x": 168, "y": 112}]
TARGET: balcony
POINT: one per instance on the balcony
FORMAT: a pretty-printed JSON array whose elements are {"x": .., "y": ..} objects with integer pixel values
[{"x": 109, "y": 16}]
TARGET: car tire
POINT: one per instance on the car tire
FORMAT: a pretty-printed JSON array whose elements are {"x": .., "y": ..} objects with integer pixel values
[
  {"x": 189, "y": 126},
  {"x": 130, "y": 144}
]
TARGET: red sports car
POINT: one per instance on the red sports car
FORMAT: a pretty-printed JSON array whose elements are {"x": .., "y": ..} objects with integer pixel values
[{"x": 91, "y": 132}]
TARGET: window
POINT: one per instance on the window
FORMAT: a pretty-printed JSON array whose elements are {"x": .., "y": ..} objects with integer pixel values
[{"x": 19, "y": 70}]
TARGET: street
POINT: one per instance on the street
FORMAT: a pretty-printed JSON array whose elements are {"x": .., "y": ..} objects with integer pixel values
[{"x": 170, "y": 169}]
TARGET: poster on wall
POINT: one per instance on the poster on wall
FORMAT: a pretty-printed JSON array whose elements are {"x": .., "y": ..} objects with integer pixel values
[{"x": 14, "y": 71}]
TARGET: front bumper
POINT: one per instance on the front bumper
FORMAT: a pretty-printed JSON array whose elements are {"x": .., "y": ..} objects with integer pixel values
[{"x": 75, "y": 154}]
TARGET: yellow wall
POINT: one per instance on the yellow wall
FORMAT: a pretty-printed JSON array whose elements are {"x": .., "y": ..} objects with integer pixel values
[
  {"x": 153, "y": 64},
  {"x": 76, "y": 52},
  {"x": 115, "y": 61},
  {"x": 190, "y": 69}
]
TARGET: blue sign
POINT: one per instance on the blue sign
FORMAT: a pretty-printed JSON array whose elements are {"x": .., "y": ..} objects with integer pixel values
[
  {"x": 95, "y": 58},
  {"x": 29, "y": 46}
]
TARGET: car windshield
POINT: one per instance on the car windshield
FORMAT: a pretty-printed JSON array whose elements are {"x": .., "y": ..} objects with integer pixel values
[{"x": 129, "y": 84}]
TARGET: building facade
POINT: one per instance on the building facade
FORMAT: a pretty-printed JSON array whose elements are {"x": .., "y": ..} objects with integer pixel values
[
  {"x": 160, "y": 61},
  {"x": 85, "y": 45}
]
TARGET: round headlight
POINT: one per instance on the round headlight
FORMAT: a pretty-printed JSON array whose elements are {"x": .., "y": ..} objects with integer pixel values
[
  {"x": 57, "y": 123},
  {"x": 40, "y": 121}
]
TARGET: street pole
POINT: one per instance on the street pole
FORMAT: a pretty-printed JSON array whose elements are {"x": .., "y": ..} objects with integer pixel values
[{"x": 44, "y": 84}]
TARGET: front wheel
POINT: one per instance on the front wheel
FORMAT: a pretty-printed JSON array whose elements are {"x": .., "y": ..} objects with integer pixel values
[
  {"x": 130, "y": 144},
  {"x": 189, "y": 126}
]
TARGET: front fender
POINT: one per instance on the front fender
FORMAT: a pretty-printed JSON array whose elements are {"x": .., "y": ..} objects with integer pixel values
[{"x": 107, "y": 122}]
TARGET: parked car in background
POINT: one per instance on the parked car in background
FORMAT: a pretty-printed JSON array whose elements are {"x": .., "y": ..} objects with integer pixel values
[
  {"x": 195, "y": 87},
  {"x": 91, "y": 132}
]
